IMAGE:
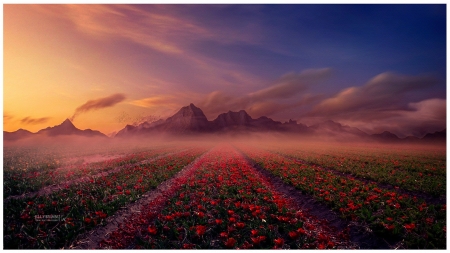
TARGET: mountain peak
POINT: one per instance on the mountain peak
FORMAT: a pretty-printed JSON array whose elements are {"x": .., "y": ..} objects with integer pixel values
[
  {"x": 188, "y": 118},
  {"x": 67, "y": 122}
]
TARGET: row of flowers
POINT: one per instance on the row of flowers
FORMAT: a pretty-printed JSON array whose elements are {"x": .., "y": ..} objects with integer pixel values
[
  {"x": 414, "y": 170},
  {"x": 388, "y": 213},
  {"x": 224, "y": 203},
  {"x": 44, "y": 173},
  {"x": 83, "y": 206}
]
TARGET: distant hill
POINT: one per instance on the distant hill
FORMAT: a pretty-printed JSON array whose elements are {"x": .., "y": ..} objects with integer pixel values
[
  {"x": 440, "y": 136},
  {"x": 385, "y": 136},
  {"x": 16, "y": 135},
  {"x": 65, "y": 128},
  {"x": 332, "y": 128}
]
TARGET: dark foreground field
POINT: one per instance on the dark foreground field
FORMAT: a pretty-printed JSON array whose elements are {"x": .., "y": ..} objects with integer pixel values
[{"x": 210, "y": 195}]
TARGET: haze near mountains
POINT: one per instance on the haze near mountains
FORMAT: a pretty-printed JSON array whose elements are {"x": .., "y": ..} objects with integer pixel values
[{"x": 190, "y": 120}]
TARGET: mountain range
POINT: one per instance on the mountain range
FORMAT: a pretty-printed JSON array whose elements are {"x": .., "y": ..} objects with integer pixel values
[
  {"x": 65, "y": 128},
  {"x": 191, "y": 120}
]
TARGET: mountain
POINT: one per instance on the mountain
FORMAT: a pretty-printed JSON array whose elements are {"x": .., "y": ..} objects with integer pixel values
[
  {"x": 385, "y": 136},
  {"x": 191, "y": 119},
  {"x": 241, "y": 121},
  {"x": 188, "y": 119},
  {"x": 439, "y": 136},
  {"x": 19, "y": 134},
  {"x": 331, "y": 128},
  {"x": 232, "y": 120},
  {"x": 67, "y": 128}
]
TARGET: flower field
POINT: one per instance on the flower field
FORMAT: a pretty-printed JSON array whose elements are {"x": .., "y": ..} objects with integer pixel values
[
  {"x": 389, "y": 213},
  {"x": 223, "y": 196}
]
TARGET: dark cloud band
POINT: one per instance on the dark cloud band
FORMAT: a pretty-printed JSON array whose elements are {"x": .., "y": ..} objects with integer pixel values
[{"x": 100, "y": 103}]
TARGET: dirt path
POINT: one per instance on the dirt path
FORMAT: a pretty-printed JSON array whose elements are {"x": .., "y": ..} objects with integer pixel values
[
  {"x": 92, "y": 239},
  {"x": 53, "y": 188},
  {"x": 430, "y": 199},
  {"x": 359, "y": 234}
]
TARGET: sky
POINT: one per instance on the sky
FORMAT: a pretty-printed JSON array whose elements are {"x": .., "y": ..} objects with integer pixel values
[{"x": 375, "y": 67}]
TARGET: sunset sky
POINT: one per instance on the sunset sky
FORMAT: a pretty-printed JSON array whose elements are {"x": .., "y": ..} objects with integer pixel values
[{"x": 375, "y": 67}]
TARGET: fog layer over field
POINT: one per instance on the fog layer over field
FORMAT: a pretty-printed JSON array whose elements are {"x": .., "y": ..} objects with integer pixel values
[{"x": 262, "y": 140}]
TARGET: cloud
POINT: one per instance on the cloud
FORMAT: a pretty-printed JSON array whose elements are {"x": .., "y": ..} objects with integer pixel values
[
  {"x": 291, "y": 84},
  {"x": 154, "y": 101},
  {"x": 153, "y": 29},
  {"x": 33, "y": 121},
  {"x": 7, "y": 117},
  {"x": 271, "y": 107},
  {"x": 100, "y": 103},
  {"x": 267, "y": 100},
  {"x": 385, "y": 92},
  {"x": 418, "y": 119}
]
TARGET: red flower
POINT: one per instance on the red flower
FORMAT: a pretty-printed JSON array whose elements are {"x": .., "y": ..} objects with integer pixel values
[
  {"x": 119, "y": 188},
  {"x": 254, "y": 232},
  {"x": 389, "y": 227},
  {"x": 127, "y": 192},
  {"x": 201, "y": 230},
  {"x": 293, "y": 235},
  {"x": 301, "y": 231},
  {"x": 188, "y": 246},
  {"x": 279, "y": 242},
  {"x": 101, "y": 214},
  {"x": 66, "y": 208},
  {"x": 152, "y": 230},
  {"x": 258, "y": 240},
  {"x": 40, "y": 206},
  {"x": 218, "y": 221},
  {"x": 410, "y": 227},
  {"x": 201, "y": 214},
  {"x": 87, "y": 220},
  {"x": 223, "y": 234},
  {"x": 240, "y": 225},
  {"x": 232, "y": 220},
  {"x": 230, "y": 242},
  {"x": 230, "y": 212}
]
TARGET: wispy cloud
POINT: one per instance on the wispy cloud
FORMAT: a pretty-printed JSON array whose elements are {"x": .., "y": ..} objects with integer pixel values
[
  {"x": 384, "y": 92},
  {"x": 418, "y": 119},
  {"x": 100, "y": 103},
  {"x": 383, "y": 103},
  {"x": 34, "y": 121},
  {"x": 154, "y": 101},
  {"x": 149, "y": 28},
  {"x": 267, "y": 101},
  {"x": 7, "y": 117}
]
